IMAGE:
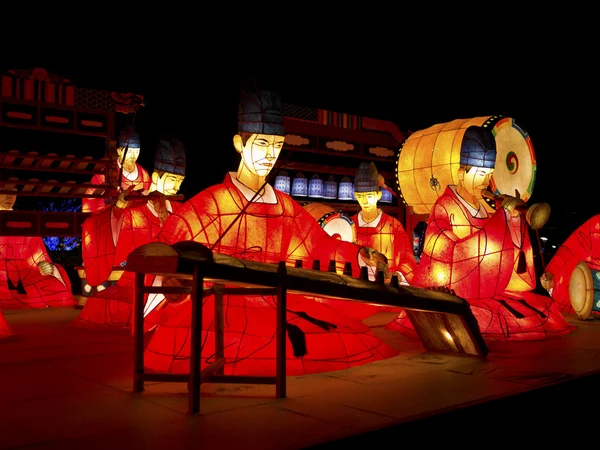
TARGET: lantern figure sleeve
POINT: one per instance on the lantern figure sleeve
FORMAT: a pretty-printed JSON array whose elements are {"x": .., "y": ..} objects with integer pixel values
[
  {"x": 268, "y": 231},
  {"x": 582, "y": 245},
  {"x": 28, "y": 278},
  {"x": 139, "y": 179}
]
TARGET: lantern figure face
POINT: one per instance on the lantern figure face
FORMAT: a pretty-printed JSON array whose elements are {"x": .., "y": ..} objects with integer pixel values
[
  {"x": 7, "y": 201},
  {"x": 260, "y": 152},
  {"x": 168, "y": 183},
  {"x": 368, "y": 200},
  {"x": 133, "y": 154},
  {"x": 475, "y": 180}
]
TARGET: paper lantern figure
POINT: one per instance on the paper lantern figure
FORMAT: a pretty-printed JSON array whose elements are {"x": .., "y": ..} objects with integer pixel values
[
  {"x": 28, "y": 277},
  {"x": 133, "y": 175},
  {"x": 5, "y": 331},
  {"x": 345, "y": 189},
  {"x": 485, "y": 258},
  {"x": 430, "y": 158},
  {"x": 300, "y": 185},
  {"x": 315, "y": 187},
  {"x": 282, "y": 182},
  {"x": 330, "y": 188},
  {"x": 111, "y": 234},
  {"x": 378, "y": 230},
  {"x": 245, "y": 217},
  {"x": 572, "y": 274}
]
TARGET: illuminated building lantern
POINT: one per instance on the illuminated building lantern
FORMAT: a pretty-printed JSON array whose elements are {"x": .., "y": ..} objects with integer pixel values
[
  {"x": 345, "y": 190},
  {"x": 386, "y": 196},
  {"x": 282, "y": 182},
  {"x": 330, "y": 189},
  {"x": 315, "y": 187},
  {"x": 300, "y": 185}
]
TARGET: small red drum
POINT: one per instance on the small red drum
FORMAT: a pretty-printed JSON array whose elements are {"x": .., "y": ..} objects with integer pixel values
[{"x": 336, "y": 223}]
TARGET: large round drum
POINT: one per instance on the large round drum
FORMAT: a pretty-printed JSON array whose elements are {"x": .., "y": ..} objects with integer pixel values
[
  {"x": 429, "y": 160},
  {"x": 584, "y": 290},
  {"x": 336, "y": 223}
]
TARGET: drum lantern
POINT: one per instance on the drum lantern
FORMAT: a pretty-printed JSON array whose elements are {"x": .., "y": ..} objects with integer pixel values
[
  {"x": 429, "y": 159},
  {"x": 584, "y": 291},
  {"x": 336, "y": 223}
]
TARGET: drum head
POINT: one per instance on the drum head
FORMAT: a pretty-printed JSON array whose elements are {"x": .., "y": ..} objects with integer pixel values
[
  {"x": 581, "y": 290},
  {"x": 340, "y": 226},
  {"x": 515, "y": 161}
]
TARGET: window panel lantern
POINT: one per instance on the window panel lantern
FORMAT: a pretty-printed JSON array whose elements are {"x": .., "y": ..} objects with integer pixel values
[
  {"x": 282, "y": 182},
  {"x": 330, "y": 188},
  {"x": 300, "y": 185},
  {"x": 315, "y": 187},
  {"x": 346, "y": 189},
  {"x": 386, "y": 196}
]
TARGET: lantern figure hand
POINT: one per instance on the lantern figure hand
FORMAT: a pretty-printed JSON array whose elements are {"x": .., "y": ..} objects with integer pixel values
[
  {"x": 128, "y": 199},
  {"x": 547, "y": 281},
  {"x": 374, "y": 259},
  {"x": 45, "y": 268},
  {"x": 512, "y": 204},
  {"x": 159, "y": 202}
]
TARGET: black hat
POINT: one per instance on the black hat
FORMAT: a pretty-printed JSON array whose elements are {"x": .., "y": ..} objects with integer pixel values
[
  {"x": 261, "y": 112},
  {"x": 129, "y": 138},
  {"x": 367, "y": 178},
  {"x": 170, "y": 156},
  {"x": 478, "y": 148}
]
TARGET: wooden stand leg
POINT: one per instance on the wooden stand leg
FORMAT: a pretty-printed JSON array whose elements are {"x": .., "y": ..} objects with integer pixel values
[
  {"x": 280, "y": 376},
  {"x": 195, "y": 347},
  {"x": 138, "y": 333},
  {"x": 219, "y": 330}
]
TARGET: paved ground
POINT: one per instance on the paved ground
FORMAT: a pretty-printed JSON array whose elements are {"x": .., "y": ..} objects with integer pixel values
[{"x": 65, "y": 388}]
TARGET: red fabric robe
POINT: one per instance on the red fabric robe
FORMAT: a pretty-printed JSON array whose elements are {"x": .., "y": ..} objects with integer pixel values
[
  {"x": 112, "y": 306},
  {"x": 269, "y": 233},
  {"x": 21, "y": 284},
  {"x": 142, "y": 183},
  {"x": 5, "y": 330},
  {"x": 581, "y": 245},
  {"x": 473, "y": 254}
]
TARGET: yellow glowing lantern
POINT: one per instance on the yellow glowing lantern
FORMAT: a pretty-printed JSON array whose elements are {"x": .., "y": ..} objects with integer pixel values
[{"x": 429, "y": 160}]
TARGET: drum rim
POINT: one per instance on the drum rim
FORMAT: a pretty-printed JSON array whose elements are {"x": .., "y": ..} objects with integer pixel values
[{"x": 588, "y": 300}]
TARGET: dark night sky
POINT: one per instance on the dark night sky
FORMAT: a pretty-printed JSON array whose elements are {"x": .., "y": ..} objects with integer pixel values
[{"x": 198, "y": 103}]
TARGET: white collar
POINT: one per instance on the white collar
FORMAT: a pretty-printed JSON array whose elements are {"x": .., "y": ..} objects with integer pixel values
[
  {"x": 373, "y": 224},
  {"x": 480, "y": 213},
  {"x": 267, "y": 197}
]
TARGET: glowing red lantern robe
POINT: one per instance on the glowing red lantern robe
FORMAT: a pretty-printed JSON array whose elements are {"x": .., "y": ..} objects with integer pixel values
[
  {"x": 581, "y": 245},
  {"x": 386, "y": 235},
  {"x": 473, "y": 254},
  {"x": 140, "y": 178},
  {"x": 21, "y": 284},
  {"x": 266, "y": 232},
  {"x": 112, "y": 306}
]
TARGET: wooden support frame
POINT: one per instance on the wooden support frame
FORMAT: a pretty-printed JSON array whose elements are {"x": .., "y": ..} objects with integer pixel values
[{"x": 214, "y": 372}]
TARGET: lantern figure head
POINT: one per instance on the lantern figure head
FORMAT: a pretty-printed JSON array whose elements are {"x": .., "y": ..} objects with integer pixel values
[
  {"x": 169, "y": 166},
  {"x": 366, "y": 187},
  {"x": 330, "y": 188},
  {"x": 346, "y": 190},
  {"x": 300, "y": 185},
  {"x": 315, "y": 187},
  {"x": 260, "y": 135},
  {"x": 128, "y": 148},
  {"x": 282, "y": 182}
]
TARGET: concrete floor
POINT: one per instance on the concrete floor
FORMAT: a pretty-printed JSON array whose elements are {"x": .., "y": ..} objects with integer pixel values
[{"x": 67, "y": 388}]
